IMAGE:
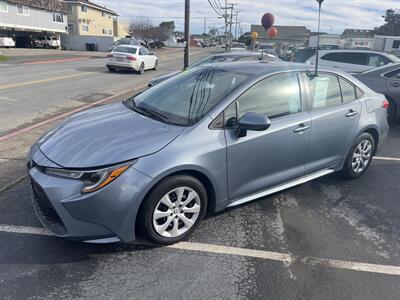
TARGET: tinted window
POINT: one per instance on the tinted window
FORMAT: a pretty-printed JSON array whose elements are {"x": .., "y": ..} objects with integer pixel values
[
  {"x": 376, "y": 60},
  {"x": 348, "y": 90},
  {"x": 325, "y": 91},
  {"x": 348, "y": 58},
  {"x": 125, "y": 50},
  {"x": 396, "y": 44},
  {"x": 393, "y": 74},
  {"x": 187, "y": 97},
  {"x": 274, "y": 97}
]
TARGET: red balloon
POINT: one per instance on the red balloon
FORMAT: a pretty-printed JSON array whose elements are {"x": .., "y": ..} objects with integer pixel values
[
  {"x": 268, "y": 20},
  {"x": 272, "y": 32}
]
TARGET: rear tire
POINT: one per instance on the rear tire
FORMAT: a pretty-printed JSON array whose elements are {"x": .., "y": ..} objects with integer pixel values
[
  {"x": 360, "y": 156},
  {"x": 173, "y": 210},
  {"x": 155, "y": 65},
  {"x": 141, "y": 69}
]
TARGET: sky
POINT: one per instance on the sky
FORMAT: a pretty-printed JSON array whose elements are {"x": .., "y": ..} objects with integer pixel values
[{"x": 336, "y": 14}]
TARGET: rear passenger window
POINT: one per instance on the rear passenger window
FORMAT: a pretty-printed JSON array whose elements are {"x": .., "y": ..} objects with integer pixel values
[
  {"x": 348, "y": 90},
  {"x": 325, "y": 91},
  {"x": 275, "y": 97}
]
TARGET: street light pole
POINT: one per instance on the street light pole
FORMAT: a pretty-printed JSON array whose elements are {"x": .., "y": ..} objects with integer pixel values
[
  {"x": 319, "y": 27},
  {"x": 186, "y": 62}
]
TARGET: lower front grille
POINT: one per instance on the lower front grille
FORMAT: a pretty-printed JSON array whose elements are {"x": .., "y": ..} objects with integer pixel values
[{"x": 45, "y": 210}]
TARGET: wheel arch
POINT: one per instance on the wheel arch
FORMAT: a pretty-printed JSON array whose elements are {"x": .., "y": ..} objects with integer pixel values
[
  {"x": 201, "y": 176},
  {"x": 375, "y": 135}
]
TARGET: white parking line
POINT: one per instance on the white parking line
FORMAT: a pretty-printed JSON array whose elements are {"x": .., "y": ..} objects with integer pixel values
[
  {"x": 225, "y": 250},
  {"x": 387, "y": 158}
]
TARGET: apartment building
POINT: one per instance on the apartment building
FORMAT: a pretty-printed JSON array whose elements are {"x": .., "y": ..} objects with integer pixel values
[
  {"x": 90, "y": 26},
  {"x": 25, "y": 20}
]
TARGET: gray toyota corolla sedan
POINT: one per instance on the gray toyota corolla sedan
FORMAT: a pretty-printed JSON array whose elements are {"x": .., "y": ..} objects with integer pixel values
[{"x": 212, "y": 137}]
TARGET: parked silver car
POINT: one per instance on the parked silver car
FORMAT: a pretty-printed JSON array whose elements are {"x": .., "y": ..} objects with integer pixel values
[
  {"x": 225, "y": 57},
  {"x": 210, "y": 138},
  {"x": 353, "y": 61},
  {"x": 385, "y": 80}
]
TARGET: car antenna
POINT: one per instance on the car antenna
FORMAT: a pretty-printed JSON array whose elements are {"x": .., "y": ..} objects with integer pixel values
[{"x": 319, "y": 27}]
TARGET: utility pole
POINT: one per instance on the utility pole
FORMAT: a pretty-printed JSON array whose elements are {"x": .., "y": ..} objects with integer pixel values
[
  {"x": 230, "y": 24},
  {"x": 186, "y": 60},
  {"x": 319, "y": 28},
  {"x": 226, "y": 25},
  {"x": 236, "y": 24}
]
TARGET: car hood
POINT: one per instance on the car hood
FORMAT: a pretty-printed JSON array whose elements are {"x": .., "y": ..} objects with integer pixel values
[
  {"x": 105, "y": 136},
  {"x": 164, "y": 77}
]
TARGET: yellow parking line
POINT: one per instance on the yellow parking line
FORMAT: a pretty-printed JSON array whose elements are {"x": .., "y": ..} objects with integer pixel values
[{"x": 20, "y": 84}]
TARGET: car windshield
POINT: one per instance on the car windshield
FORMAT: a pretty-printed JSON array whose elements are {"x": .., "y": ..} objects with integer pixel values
[
  {"x": 123, "y": 49},
  {"x": 186, "y": 98}
]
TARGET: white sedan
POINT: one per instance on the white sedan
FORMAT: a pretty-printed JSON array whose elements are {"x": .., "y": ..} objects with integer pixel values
[{"x": 130, "y": 57}]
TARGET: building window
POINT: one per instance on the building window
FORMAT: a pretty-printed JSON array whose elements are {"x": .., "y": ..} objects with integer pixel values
[
  {"x": 70, "y": 27},
  {"x": 110, "y": 32},
  {"x": 23, "y": 10},
  {"x": 85, "y": 28},
  {"x": 58, "y": 18},
  {"x": 103, "y": 14},
  {"x": 3, "y": 6},
  {"x": 84, "y": 8},
  {"x": 104, "y": 31}
]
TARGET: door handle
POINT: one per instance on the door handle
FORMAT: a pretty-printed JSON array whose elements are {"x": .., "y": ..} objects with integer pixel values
[
  {"x": 301, "y": 128},
  {"x": 396, "y": 84},
  {"x": 351, "y": 113}
]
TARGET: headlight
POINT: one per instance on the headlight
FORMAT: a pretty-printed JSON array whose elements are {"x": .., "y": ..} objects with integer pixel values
[{"x": 93, "y": 180}]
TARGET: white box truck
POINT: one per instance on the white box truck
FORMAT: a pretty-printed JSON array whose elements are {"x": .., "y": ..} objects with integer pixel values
[{"x": 389, "y": 44}]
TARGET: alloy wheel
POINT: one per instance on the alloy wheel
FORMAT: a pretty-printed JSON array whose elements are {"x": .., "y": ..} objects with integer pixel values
[
  {"x": 176, "y": 212},
  {"x": 361, "y": 156}
]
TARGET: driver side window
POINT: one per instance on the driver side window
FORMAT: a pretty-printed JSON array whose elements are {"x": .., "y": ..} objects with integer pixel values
[{"x": 274, "y": 97}]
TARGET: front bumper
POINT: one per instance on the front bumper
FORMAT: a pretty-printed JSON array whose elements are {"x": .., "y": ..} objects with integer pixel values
[{"x": 107, "y": 213}]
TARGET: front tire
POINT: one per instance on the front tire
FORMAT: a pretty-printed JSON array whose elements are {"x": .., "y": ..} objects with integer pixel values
[
  {"x": 173, "y": 210},
  {"x": 360, "y": 156},
  {"x": 112, "y": 70}
]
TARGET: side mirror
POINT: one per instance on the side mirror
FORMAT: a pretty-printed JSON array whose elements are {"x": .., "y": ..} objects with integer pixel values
[
  {"x": 252, "y": 121},
  {"x": 151, "y": 53}
]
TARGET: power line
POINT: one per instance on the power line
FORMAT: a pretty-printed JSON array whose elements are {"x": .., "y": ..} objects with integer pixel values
[{"x": 214, "y": 8}]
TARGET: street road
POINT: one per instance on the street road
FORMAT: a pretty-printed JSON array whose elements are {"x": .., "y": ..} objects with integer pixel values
[
  {"x": 327, "y": 239},
  {"x": 33, "y": 90}
]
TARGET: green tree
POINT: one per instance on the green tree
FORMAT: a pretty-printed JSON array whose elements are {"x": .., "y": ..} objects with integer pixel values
[
  {"x": 168, "y": 26},
  {"x": 392, "y": 23}
]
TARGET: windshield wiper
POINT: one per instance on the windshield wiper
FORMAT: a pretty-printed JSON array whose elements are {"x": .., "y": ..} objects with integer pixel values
[{"x": 147, "y": 111}]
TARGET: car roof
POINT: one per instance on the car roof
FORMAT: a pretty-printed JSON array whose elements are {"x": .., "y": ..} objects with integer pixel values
[
  {"x": 237, "y": 54},
  {"x": 263, "y": 68},
  {"x": 350, "y": 51},
  {"x": 383, "y": 69}
]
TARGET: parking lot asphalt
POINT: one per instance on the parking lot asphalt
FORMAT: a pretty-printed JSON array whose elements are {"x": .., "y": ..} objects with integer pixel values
[{"x": 327, "y": 239}]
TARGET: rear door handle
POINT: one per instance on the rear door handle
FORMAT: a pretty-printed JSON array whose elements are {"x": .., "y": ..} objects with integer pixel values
[
  {"x": 351, "y": 113},
  {"x": 396, "y": 84},
  {"x": 301, "y": 128}
]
